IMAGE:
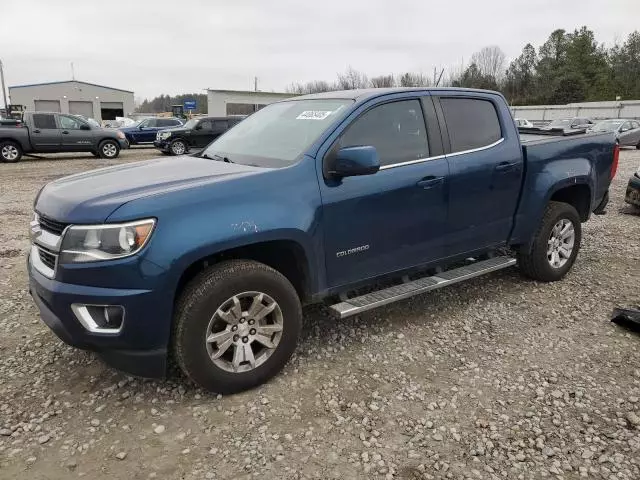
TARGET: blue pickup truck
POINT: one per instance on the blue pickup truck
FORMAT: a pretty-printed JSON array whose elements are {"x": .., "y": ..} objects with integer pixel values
[{"x": 356, "y": 198}]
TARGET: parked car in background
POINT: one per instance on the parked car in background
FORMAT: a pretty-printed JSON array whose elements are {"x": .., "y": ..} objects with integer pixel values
[
  {"x": 627, "y": 131},
  {"x": 569, "y": 124},
  {"x": 145, "y": 130},
  {"x": 49, "y": 132},
  {"x": 208, "y": 260},
  {"x": 196, "y": 133},
  {"x": 522, "y": 122}
]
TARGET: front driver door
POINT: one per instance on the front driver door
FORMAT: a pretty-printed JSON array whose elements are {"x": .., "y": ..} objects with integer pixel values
[
  {"x": 72, "y": 136},
  {"x": 202, "y": 134},
  {"x": 397, "y": 217}
]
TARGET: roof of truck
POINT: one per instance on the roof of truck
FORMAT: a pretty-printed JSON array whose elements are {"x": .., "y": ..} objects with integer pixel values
[{"x": 365, "y": 93}]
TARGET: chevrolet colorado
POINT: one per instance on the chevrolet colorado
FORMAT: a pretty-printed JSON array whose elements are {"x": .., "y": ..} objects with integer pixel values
[{"x": 209, "y": 260}]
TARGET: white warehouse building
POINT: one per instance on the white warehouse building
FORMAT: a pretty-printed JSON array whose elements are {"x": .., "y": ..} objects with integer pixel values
[
  {"x": 221, "y": 103},
  {"x": 74, "y": 96}
]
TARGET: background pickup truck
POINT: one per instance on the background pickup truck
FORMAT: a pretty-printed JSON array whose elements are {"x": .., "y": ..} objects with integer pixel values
[
  {"x": 43, "y": 132},
  {"x": 356, "y": 198},
  {"x": 196, "y": 133}
]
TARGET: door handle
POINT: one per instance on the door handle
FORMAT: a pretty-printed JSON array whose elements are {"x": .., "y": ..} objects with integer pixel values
[
  {"x": 36, "y": 130},
  {"x": 430, "y": 182},
  {"x": 66, "y": 132},
  {"x": 504, "y": 166}
]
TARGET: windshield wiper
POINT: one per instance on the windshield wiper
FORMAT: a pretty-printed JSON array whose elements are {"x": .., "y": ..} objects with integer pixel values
[{"x": 217, "y": 157}]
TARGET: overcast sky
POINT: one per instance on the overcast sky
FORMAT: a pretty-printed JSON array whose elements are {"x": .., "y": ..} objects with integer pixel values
[{"x": 154, "y": 47}]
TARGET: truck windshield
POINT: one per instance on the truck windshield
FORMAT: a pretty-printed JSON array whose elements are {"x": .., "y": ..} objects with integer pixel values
[{"x": 278, "y": 134}]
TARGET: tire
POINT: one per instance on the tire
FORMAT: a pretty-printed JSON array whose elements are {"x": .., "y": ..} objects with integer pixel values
[
  {"x": 109, "y": 149},
  {"x": 178, "y": 147},
  {"x": 10, "y": 152},
  {"x": 197, "y": 317},
  {"x": 536, "y": 263},
  {"x": 638, "y": 146}
]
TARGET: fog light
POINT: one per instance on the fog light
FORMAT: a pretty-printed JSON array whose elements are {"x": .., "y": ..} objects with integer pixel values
[{"x": 100, "y": 318}]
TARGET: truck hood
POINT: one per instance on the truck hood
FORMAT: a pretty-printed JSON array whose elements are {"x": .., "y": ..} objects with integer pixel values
[{"x": 92, "y": 196}]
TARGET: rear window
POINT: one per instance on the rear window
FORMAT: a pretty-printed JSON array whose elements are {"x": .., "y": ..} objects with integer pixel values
[
  {"x": 44, "y": 120},
  {"x": 472, "y": 123}
]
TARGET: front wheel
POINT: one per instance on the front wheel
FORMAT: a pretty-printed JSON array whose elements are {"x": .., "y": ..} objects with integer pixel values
[
  {"x": 178, "y": 147},
  {"x": 10, "y": 152},
  {"x": 109, "y": 149},
  {"x": 555, "y": 246},
  {"x": 236, "y": 325}
]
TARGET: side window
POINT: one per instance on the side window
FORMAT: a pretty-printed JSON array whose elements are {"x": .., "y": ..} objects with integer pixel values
[
  {"x": 635, "y": 125},
  {"x": 44, "y": 121},
  {"x": 625, "y": 126},
  {"x": 396, "y": 130},
  {"x": 174, "y": 122},
  {"x": 152, "y": 123},
  {"x": 220, "y": 125},
  {"x": 472, "y": 123},
  {"x": 205, "y": 124},
  {"x": 69, "y": 123}
]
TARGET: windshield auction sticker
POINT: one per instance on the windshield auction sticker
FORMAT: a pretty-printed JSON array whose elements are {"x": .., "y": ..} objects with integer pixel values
[{"x": 314, "y": 115}]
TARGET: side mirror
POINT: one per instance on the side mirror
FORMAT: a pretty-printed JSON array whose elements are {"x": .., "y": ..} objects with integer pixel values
[
  {"x": 198, "y": 127},
  {"x": 140, "y": 127},
  {"x": 84, "y": 126},
  {"x": 353, "y": 161}
]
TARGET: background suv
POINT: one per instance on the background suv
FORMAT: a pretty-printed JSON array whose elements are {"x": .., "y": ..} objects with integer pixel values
[{"x": 145, "y": 131}]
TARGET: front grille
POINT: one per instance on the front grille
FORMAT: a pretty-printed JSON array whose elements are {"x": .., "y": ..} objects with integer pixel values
[
  {"x": 51, "y": 225},
  {"x": 48, "y": 258}
]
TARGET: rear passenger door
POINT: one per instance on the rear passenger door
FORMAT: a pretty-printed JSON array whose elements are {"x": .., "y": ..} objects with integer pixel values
[
  {"x": 396, "y": 218},
  {"x": 44, "y": 133},
  {"x": 486, "y": 172}
]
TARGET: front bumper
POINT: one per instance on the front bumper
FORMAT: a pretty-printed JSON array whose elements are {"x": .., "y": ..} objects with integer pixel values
[
  {"x": 124, "y": 143},
  {"x": 632, "y": 196},
  {"x": 139, "y": 348},
  {"x": 161, "y": 144}
]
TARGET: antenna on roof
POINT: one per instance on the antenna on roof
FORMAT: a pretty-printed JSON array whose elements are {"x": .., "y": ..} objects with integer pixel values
[{"x": 73, "y": 74}]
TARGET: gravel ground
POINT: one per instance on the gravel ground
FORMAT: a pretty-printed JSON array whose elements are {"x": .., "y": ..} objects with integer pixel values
[{"x": 499, "y": 377}]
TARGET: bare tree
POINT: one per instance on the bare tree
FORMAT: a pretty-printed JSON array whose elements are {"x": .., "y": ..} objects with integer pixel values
[
  {"x": 314, "y": 86},
  {"x": 490, "y": 62},
  {"x": 352, "y": 79},
  {"x": 410, "y": 79},
  {"x": 383, "y": 81}
]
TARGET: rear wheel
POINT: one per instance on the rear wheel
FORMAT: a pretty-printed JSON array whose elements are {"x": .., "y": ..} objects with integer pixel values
[
  {"x": 555, "y": 245},
  {"x": 109, "y": 149},
  {"x": 10, "y": 152},
  {"x": 178, "y": 147},
  {"x": 236, "y": 325}
]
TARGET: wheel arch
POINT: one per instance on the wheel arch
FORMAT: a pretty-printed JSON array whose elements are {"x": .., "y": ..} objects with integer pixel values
[{"x": 287, "y": 256}]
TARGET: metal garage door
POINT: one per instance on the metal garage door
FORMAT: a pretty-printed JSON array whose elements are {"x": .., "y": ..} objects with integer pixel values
[
  {"x": 81, "y": 108},
  {"x": 47, "y": 105},
  {"x": 112, "y": 105}
]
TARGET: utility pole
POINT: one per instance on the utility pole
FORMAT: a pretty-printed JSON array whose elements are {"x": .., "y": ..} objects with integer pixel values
[
  {"x": 73, "y": 73},
  {"x": 255, "y": 84},
  {"x": 4, "y": 91}
]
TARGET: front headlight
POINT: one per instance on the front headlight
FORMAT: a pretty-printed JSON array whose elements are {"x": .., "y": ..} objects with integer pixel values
[
  {"x": 91, "y": 243},
  {"x": 164, "y": 135},
  {"x": 120, "y": 135}
]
